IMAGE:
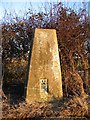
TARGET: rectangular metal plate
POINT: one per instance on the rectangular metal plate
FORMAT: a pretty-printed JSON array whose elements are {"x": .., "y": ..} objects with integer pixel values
[{"x": 43, "y": 85}]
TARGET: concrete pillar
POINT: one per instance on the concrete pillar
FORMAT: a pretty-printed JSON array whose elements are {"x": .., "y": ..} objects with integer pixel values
[{"x": 44, "y": 80}]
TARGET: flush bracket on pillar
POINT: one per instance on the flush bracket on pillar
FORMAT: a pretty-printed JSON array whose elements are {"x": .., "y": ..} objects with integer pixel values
[{"x": 44, "y": 86}]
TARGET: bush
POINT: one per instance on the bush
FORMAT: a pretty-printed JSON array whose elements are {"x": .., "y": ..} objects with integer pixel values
[{"x": 72, "y": 33}]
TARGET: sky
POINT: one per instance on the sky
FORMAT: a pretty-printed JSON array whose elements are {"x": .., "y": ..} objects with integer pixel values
[
  {"x": 20, "y": 6},
  {"x": 44, "y": 0}
]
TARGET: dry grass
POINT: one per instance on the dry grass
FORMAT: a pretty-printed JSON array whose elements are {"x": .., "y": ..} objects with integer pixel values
[{"x": 74, "y": 107}]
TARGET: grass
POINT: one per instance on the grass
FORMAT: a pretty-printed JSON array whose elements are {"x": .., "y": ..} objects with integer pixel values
[{"x": 66, "y": 108}]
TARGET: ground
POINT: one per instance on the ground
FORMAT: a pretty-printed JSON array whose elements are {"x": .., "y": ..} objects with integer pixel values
[{"x": 74, "y": 107}]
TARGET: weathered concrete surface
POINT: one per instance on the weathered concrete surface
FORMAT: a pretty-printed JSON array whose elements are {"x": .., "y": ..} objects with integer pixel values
[{"x": 44, "y": 83}]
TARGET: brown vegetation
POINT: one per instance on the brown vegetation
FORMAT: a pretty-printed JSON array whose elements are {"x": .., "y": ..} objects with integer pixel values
[
  {"x": 73, "y": 107},
  {"x": 72, "y": 34}
]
